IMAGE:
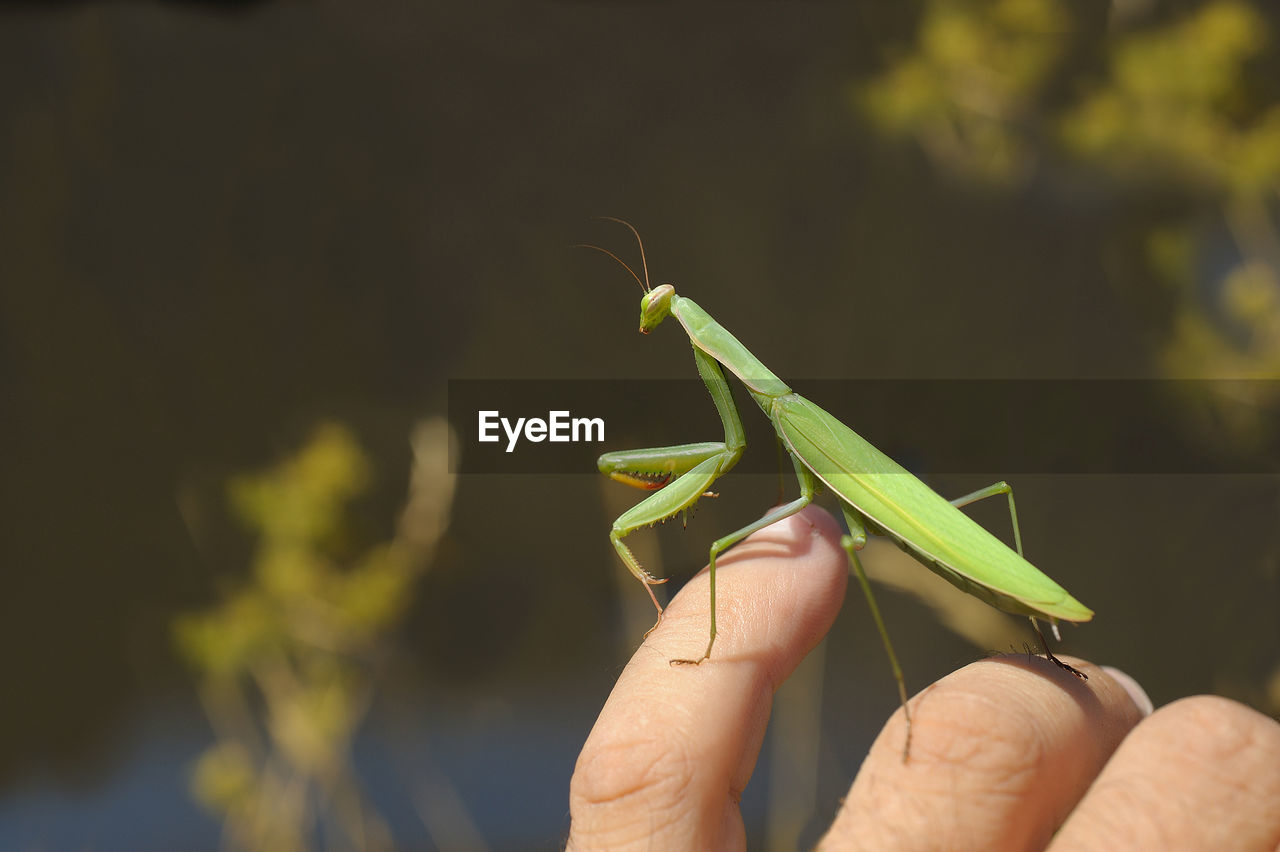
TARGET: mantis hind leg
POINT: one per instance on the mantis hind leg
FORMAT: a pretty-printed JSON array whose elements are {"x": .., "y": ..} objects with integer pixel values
[
  {"x": 1006, "y": 488},
  {"x": 991, "y": 491},
  {"x": 852, "y": 543},
  {"x": 1044, "y": 643}
]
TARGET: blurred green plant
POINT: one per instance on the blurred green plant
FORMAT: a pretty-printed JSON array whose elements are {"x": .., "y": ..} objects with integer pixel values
[
  {"x": 1179, "y": 106},
  {"x": 1172, "y": 102},
  {"x": 288, "y": 662},
  {"x": 968, "y": 91},
  {"x": 1175, "y": 104}
]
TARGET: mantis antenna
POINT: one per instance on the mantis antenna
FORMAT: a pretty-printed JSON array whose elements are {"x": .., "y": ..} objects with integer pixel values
[
  {"x": 615, "y": 257},
  {"x": 644, "y": 263}
]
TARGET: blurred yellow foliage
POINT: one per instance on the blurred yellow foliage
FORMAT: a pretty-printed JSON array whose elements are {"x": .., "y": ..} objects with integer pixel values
[
  {"x": 1176, "y": 107},
  {"x": 1170, "y": 102},
  {"x": 224, "y": 776},
  {"x": 220, "y": 644},
  {"x": 963, "y": 93},
  {"x": 1173, "y": 101},
  {"x": 301, "y": 639},
  {"x": 303, "y": 498}
]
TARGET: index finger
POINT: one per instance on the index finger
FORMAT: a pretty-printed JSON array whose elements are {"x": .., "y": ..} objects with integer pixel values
[{"x": 673, "y": 748}]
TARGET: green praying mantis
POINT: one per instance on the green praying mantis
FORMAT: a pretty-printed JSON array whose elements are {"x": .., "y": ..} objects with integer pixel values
[{"x": 876, "y": 494}]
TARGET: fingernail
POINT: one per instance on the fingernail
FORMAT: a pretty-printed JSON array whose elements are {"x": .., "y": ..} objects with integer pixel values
[{"x": 1136, "y": 692}]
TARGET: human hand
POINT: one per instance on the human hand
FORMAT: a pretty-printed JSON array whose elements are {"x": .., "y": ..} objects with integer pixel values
[{"x": 1007, "y": 753}]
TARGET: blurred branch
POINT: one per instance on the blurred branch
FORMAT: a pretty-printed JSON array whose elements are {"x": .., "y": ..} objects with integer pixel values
[
  {"x": 968, "y": 91},
  {"x": 288, "y": 663}
]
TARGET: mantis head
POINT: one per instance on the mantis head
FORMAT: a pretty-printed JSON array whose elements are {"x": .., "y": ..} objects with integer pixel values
[
  {"x": 654, "y": 307},
  {"x": 656, "y": 304}
]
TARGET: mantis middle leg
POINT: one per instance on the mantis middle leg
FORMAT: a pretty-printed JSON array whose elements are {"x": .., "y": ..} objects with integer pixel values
[{"x": 808, "y": 487}]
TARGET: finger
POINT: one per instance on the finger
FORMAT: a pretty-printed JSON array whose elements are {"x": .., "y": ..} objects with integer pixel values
[
  {"x": 673, "y": 748},
  {"x": 1201, "y": 773},
  {"x": 1000, "y": 753}
]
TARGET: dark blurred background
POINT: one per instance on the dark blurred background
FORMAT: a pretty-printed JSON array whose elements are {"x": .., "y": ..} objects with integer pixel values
[{"x": 243, "y": 247}]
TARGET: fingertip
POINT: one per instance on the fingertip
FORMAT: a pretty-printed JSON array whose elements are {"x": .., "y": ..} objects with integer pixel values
[{"x": 1134, "y": 690}]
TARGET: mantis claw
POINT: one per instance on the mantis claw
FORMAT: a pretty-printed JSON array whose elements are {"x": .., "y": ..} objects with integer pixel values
[
  {"x": 1051, "y": 658},
  {"x": 1075, "y": 671},
  {"x": 650, "y": 580},
  {"x": 706, "y": 655}
]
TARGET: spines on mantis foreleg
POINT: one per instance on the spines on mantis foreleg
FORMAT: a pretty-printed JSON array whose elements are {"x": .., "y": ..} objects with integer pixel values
[
  {"x": 647, "y": 480},
  {"x": 684, "y": 513},
  {"x": 642, "y": 479},
  {"x": 629, "y": 558},
  {"x": 655, "y": 468}
]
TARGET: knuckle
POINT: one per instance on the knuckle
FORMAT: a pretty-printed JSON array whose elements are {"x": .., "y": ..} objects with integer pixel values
[
  {"x": 1003, "y": 760},
  {"x": 630, "y": 786}
]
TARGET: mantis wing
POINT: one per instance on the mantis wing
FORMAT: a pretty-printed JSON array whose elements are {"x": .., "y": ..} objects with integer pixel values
[{"x": 928, "y": 527}]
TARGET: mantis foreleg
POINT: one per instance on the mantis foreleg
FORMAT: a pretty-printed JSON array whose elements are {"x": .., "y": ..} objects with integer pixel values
[{"x": 653, "y": 468}]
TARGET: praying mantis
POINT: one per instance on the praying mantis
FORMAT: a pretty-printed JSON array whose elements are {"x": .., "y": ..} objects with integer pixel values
[{"x": 876, "y": 494}]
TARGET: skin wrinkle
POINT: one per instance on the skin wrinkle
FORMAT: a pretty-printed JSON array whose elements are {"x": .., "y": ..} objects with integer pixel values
[
  {"x": 1007, "y": 768},
  {"x": 665, "y": 768},
  {"x": 990, "y": 749},
  {"x": 666, "y": 771},
  {"x": 601, "y": 767}
]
